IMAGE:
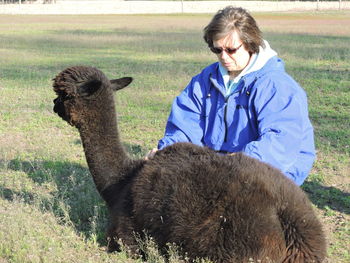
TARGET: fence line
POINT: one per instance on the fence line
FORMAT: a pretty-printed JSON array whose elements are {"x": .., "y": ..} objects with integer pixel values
[{"x": 162, "y": 7}]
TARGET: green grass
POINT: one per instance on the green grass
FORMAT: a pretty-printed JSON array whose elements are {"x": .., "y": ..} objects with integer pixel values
[{"x": 49, "y": 208}]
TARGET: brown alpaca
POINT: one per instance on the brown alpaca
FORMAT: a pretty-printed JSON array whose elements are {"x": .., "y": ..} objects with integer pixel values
[{"x": 231, "y": 209}]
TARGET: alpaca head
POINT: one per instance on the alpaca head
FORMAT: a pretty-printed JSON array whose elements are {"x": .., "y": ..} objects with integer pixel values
[{"x": 78, "y": 88}]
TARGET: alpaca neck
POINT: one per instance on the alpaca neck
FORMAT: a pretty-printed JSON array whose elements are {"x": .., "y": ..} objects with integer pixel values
[{"x": 104, "y": 153}]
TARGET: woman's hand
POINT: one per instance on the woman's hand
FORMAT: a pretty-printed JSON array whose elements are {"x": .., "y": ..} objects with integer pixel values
[{"x": 151, "y": 154}]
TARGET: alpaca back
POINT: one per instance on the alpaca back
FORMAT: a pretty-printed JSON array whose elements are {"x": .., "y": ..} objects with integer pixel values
[{"x": 215, "y": 206}]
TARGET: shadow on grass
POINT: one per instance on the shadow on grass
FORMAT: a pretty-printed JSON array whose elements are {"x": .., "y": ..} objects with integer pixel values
[
  {"x": 72, "y": 197},
  {"x": 327, "y": 197},
  {"x": 66, "y": 189}
]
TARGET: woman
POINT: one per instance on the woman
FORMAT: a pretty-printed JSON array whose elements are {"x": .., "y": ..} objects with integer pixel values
[{"x": 245, "y": 102}]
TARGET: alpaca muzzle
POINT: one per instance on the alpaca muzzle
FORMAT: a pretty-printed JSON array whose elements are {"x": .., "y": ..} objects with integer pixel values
[{"x": 59, "y": 109}]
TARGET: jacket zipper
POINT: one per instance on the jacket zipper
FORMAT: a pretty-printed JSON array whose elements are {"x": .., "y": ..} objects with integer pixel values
[
  {"x": 225, "y": 119},
  {"x": 225, "y": 112}
]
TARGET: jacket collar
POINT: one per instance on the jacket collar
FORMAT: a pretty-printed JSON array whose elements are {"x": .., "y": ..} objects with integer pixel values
[{"x": 217, "y": 79}]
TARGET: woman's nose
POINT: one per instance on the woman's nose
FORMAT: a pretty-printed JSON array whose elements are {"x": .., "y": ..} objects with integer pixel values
[{"x": 223, "y": 54}]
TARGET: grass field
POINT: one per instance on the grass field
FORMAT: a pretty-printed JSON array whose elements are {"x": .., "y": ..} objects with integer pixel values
[{"x": 49, "y": 208}]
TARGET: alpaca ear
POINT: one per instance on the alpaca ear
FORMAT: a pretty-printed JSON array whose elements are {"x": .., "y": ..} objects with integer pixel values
[
  {"x": 90, "y": 87},
  {"x": 118, "y": 84}
]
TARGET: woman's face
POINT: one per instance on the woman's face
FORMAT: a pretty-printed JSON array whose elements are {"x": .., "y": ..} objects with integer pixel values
[{"x": 233, "y": 56}]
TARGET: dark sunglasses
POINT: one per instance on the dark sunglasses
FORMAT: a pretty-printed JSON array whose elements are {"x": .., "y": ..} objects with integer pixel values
[{"x": 231, "y": 51}]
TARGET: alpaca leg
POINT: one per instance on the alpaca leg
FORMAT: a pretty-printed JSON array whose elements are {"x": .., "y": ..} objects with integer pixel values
[{"x": 120, "y": 232}]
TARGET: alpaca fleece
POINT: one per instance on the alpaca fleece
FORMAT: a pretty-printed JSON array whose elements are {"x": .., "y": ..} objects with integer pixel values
[{"x": 226, "y": 208}]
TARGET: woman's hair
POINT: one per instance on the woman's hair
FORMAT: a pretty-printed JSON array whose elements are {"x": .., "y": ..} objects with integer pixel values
[{"x": 232, "y": 19}]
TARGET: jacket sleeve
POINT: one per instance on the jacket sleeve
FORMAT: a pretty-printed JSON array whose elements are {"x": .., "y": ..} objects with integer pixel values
[
  {"x": 281, "y": 110},
  {"x": 185, "y": 122}
]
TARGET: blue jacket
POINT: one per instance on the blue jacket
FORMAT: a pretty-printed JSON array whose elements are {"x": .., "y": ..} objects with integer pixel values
[{"x": 266, "y": 117}]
